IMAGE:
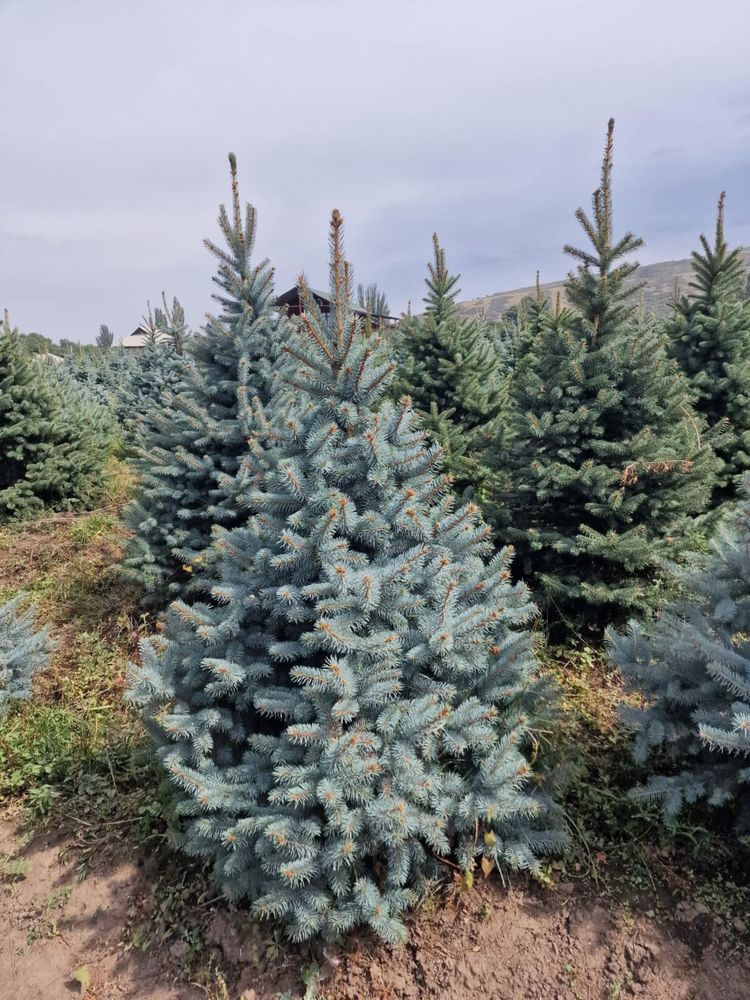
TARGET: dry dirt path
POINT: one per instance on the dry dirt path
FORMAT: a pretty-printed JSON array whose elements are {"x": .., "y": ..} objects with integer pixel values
[{"x": 490, "y": 943}]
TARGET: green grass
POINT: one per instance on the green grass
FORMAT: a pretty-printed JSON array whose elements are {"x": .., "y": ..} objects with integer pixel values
[
  {"x": 74, "y": 750},
  {"x": 92, "y": 526},
  {"x": 60, "y": 760}
]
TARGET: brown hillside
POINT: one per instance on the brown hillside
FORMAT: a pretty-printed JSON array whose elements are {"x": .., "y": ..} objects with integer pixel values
[{"x": 660, "y": 280}]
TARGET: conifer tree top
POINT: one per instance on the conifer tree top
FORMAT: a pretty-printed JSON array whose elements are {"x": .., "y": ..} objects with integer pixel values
[
  {"x": 709, "y": 334},
  {"x": 246, "y": 289},
  {"x": 337, "y": 362},
  {"x": 441, "y": 285},
  {"x": 718, "y": 272},
  {"x": 598, "y": 288}
]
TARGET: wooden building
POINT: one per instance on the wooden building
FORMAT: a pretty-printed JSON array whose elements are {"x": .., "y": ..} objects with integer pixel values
[
  {"x": 291, "y": 300},
  {"x": 139, "y": 339}
]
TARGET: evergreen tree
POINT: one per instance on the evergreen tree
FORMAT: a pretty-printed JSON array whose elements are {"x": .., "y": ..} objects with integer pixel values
[
  {"x": 193, "y": 441},
  {"x": 35, "y": 343},
  {"x": 88, "y": 434},
  {"x": 23, "y": 651},
  {"x": 357, "y": 702},
  {"x": 105, "y": 338},
  {"x": 451, "y": 369},
  {"x": 373, "y": 301},
  {"x": 692, "y": 664},
  {"x": 514, "y": 340},
  {"x": 52, "y": 445},
  {"x": 160, "y": 366},
  {"x": 166, "y": 325},
  {"x": 520, "y": 325},
  {"x": 710, "y": 337},
  {"x": 609, "y": 465},
  {"x": 108, "y": 379},
  {"x": 130, "y": 385}
]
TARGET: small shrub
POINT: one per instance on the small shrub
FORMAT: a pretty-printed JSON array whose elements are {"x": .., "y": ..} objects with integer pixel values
[
  {"x": 23, "y": 650},
  {"x": 692, "y": 665}
]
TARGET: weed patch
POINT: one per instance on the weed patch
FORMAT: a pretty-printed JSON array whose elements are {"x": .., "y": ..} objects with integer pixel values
[
  {"x": 620, "y": 847},
  {"x": 75, "y": 752}
]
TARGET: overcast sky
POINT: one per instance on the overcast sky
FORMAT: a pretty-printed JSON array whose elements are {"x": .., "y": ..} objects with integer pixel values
[{"x": 481, "y": 119}]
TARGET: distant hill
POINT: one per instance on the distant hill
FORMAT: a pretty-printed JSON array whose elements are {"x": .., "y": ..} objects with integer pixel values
[{"x": 659, "y": 288}]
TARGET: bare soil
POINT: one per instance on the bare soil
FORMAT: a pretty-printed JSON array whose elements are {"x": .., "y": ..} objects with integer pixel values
[
  {"x": 53, "y": 924},
  {"x": 521, "y": 943}
]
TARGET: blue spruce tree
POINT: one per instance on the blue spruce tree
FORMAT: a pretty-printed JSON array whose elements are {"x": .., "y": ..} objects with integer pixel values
[
  {"x": 104, "y": 378},
  {"x": 357, "y": 703},
  {"x": 192, "y": 442},
  {"x": 131, "y": 384},
  {"x": 24, "y": 649},
  {"x": 692, "y": 664},
  {"x": 159, "y": 368}
]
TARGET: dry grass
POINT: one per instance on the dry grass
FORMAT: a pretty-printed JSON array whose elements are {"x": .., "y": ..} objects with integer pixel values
[
  {"x": 660, "y": 281},
  {"x": 68, "y": 562},
  {"x": 69, "y": 741}
]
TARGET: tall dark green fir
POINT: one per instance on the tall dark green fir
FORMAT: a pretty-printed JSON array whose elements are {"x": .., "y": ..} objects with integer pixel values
[
  {"x": 451, "y": 369},
  {"x": 709, "y": 333},
  {"x": 609, "y": 465}
]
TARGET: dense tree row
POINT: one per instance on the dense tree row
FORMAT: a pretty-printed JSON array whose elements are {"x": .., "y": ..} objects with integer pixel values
[
  {"x": 597, "y": 438},
  {"x": 345, "y": 519},
  {"x": 621, "y": 445},
  {"x": 131, "y": 383},
  {"x": 352, "y": 695},
  {"x": 53, "y": 440}
]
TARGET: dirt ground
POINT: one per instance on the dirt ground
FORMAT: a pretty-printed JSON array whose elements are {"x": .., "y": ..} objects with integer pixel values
[
  {"x": 520, "y": 943},
  {"x": 53, "y": 924}
]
